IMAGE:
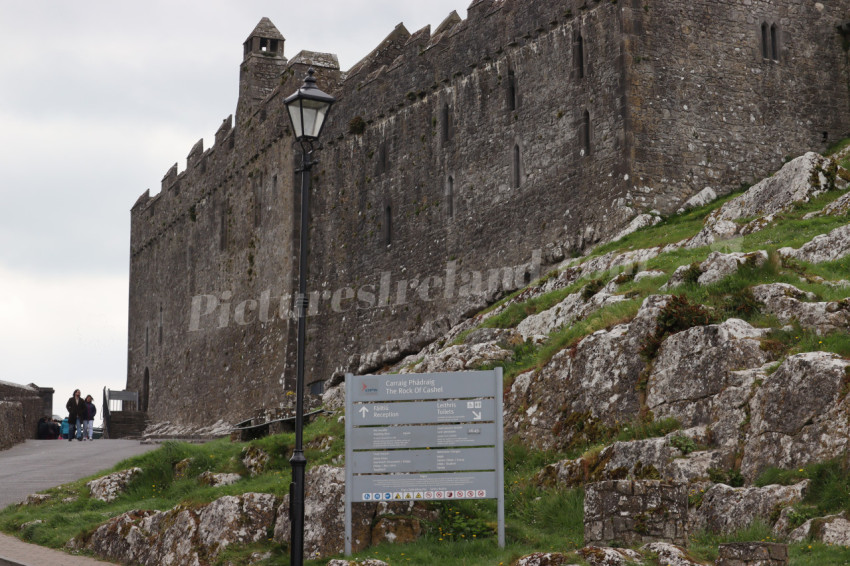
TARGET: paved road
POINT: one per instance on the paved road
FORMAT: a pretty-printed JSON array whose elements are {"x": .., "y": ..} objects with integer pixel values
[{"x": 40, "y": 464}]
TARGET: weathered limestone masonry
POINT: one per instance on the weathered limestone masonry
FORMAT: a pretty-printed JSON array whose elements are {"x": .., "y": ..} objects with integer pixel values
[
  {"x": 635, "y": 512},
  {"x": 752, "y": 554},
  {"x": 21, "y": 406},
  {"x": 457, "y": 162}
]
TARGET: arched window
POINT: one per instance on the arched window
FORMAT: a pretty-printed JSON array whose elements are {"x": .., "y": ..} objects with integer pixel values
[
  {"x": 450, "y": 197},
  {"x": 517, "y": 165},
  {"x": 585, "y": 133}
]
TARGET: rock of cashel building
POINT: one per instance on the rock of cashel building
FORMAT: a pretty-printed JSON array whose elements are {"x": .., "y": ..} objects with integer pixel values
[{"x": 459, "y": 163}]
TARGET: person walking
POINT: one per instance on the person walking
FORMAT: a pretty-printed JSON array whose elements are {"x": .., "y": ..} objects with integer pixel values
[
  {"x": 76, "y": 414},
  {"x": 88, "y": 423}
]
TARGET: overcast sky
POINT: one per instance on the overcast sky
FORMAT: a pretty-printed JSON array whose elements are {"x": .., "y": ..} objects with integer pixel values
[{"x": 98, "y": 98}]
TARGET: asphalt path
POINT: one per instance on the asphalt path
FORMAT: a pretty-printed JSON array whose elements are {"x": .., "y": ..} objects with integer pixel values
[{"x": 41, "y": 464}]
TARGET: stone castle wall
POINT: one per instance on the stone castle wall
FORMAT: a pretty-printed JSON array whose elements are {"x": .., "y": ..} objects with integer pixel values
[
  {"x": 719, "y": 104},
  {"x": 487, "y": 149}
]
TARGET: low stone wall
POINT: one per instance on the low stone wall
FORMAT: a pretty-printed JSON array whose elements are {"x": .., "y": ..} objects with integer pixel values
[
  {"x": 752, "y": 554},
  {"x": 27, "y": 404},
  {"x": 635, "y": 512},
  {"x": 12, "y": 417}
]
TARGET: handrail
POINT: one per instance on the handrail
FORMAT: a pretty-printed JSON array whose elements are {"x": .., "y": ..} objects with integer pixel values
[{"x": 243, "y": 426}]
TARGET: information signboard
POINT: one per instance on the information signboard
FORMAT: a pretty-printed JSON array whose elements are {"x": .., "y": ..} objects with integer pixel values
[{"x": 425, "y": 437}]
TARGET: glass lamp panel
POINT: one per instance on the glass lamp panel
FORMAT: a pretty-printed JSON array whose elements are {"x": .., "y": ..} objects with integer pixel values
[
  {"x": 314, "y": 117},
  {"x": 295, "y": 117}
]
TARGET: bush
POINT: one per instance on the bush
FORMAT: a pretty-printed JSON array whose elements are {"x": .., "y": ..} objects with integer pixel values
[{"x": 678, "y": 315}]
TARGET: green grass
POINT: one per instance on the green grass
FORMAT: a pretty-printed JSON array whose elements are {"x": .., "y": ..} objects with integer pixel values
[{"x": 671, "y": 230}]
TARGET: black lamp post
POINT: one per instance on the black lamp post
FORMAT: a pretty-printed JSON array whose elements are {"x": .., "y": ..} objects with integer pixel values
[{"x": 308, "y": 107}]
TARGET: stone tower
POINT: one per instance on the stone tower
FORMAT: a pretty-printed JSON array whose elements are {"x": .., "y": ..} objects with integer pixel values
[{"x": 262, "y": 64}]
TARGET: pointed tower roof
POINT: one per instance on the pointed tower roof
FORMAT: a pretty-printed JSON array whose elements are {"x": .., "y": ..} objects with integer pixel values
[{"x": 265, "y": 29}]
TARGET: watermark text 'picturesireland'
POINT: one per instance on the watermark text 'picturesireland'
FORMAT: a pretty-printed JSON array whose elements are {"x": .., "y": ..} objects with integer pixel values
[{"x": 211, "y": 311}]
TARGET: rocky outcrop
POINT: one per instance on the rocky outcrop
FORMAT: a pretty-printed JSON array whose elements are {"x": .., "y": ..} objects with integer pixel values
[
  {"x": 824, "y": 247},
  {"x": 324, "y": 511},
  {"x": 606, "y": 556},
  {"x": 461, "y": 357},
  {"x": 255, "y": 460},
  {"x": 543, "y": 559},
  {"x": 182, "y": 536},
  {"x": 670, "y": 554},
  {"x": 798, "y": 181},
  {"x": 215, "y": 480},
  {"x": 638, "y": 222},
  {"x": 833, "y": 530},
  {"x": 838, "y": 207},
  {"x": 693, "y": 379},
  {"x": 788, "y": 303},
  {"x": 717, "y": 266},
  {"x": 109, "y": 488},
  {"x": 702, "y": 198},
  {"x": 582, "y": 388},
  {"x": 367, "y": 562},
  {"x": 799, "y": 414},
  {"x": 37, "y": 498},
  {"x": 726, "y": 509},
  {"x": 674, "y": 457},
  {"x": 574, "y": 306}
]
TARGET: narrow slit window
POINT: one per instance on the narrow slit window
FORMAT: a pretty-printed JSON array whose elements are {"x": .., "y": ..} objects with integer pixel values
[
  {"x": 765, "y": 41},
  {"x": 512, "y": 100},
  {"x": 774, "y": 42},
  {"x": 579, "y": 54},
  {"x": 388, "y": 225},
  {"x": 447, "y": 126}
]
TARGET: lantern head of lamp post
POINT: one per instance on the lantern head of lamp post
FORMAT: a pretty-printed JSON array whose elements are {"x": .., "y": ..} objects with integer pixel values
[{"x": 308, "y": 108}]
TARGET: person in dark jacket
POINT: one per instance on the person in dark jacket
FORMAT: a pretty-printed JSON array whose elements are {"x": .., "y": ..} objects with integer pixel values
[
  {"x": 76, "y": 414},
  {"x": 88, "y": 421}
]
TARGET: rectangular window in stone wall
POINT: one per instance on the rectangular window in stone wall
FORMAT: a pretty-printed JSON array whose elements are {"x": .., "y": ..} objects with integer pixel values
[
  {"x": 447, "y": 123},
  {"x": 512, "y": 96},
  {"x": 578, "y": 55}
]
